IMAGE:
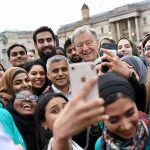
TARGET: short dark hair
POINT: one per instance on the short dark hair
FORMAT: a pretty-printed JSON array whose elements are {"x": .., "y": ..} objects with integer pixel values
[
  {"x": 43, "y": 29},
  {"x": 15, "y": 45},
  {"x": 67, "y": 43}
]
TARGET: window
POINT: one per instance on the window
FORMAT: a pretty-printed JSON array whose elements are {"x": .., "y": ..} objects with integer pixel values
[
  {"x": 144, "y": 20},
  {"x": 102, "y": 30}
]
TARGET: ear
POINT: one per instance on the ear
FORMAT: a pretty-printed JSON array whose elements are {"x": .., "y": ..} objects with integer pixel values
[
  {"x": 48, "y": 76},
  {"x": 55, "y": 43},
  {"x": 9, "y": 59},
  {"x": 98, "y": 42},
  {"x": 35, "y": 46},
  {"x": 44, "y": 125}
]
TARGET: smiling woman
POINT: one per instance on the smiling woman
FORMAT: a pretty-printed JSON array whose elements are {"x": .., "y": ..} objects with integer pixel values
[
  {"x": 12, "y": 81},
  {"x": 22, "y": 107},
  {"x": 128, "y": 127},
  {"x": 37, "y": 74}
]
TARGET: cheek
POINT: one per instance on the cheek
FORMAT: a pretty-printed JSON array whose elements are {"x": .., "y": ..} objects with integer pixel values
[
  {"x": 147, "y": 52},
  {"x": 16, "y": 88},
  {"x": 16, "y": 106},
  {"x": 50, "y": 120},
  {"x": 135, "y": 117},
  {"x": 111, "y": 127}
]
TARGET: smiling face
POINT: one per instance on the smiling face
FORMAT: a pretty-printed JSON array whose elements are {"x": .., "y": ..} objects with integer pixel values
[
  {"x": 18, "y": 56},
  {"x": 52, "y": 110},
  {"x": 45, "y": 43},
  {"x": 21, "y": 82},
  {"x": 124, "y": 47},
  {"x": 37, "y": 76},
  {"x": 147, "y": 51},
  {"x": 31, "y": 56},
  {"x": 87, "y": 46},
  {"x": 123, "y": 120},
  {"x": 59, "y": 74},
  {"x": 25, "y": 103}
]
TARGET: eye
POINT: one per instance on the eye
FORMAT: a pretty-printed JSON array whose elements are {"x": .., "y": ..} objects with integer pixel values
[
  {"x": 54, "y": 111},
  {"x": 80, "y": 45},
  {"x": 17, "y": 82},
  {"x": 33, "y": 73},
  {"x": 130, "y": 112},
  {"x": 49, "y": 40},
  {"x": 69, "y": 51},
  {"x": 119, "y": 47},
  {"x": 127, "y": 46},
  {"x": 40, "y": 41},
  {"x": 64, "y": 69},
  {"x": 113, "y": 120},
  {"x": 42, "y": 73},
  {"x": 55, "y": 71}
]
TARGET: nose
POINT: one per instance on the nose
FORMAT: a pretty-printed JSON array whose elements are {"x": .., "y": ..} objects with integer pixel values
[
  {"x": 27, "y": 99},
  {"x": 74, "y": 52},
  {"x": 24, "y": 85},
  {"x": 46, "y": 43},
  {"x": 60, "y": 72},
  {"x": 126, "y": 125},
  {"x": 85, "y": 47},
  {"x": 38, "y": 76}
]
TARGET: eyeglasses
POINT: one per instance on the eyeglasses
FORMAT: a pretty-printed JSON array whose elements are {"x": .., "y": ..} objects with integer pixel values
[
  {"x": 23, "y": 97},
  {"x": 147, "y": 48},
  {"x": 14, "y": 54}
]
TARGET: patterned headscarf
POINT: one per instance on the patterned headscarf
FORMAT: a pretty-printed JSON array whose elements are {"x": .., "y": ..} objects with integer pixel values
[{"x": 6, "y": 82}]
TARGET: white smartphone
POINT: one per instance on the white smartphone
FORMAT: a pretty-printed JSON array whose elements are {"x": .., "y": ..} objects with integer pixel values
[{"x": 79, "y": 74}]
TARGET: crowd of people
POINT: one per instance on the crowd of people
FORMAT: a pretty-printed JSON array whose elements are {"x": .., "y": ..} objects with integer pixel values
[{"x": 39, "y": 112}]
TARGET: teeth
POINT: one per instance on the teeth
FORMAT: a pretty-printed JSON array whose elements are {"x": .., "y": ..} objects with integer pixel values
[{"x": 26, "y": 106}]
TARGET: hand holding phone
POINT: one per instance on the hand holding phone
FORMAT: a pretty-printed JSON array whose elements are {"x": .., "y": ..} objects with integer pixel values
[{"x": 79, "y": 74}]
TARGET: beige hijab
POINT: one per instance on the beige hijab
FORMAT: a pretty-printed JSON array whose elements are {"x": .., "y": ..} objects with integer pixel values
[{"x": 6, "y": 82}]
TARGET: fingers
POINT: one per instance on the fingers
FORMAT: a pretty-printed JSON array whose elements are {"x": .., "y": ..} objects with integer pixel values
[
  {"x": 108, "y": 52},
  {"x": 86, "y": 89}
]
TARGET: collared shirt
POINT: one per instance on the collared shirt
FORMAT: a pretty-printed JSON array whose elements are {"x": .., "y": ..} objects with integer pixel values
[{"x": 68, "y": 95}]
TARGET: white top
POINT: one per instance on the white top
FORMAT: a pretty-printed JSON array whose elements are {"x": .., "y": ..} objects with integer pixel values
[
  {"x": 68, "y": 95},
  {"x": 75, "y": 146}
]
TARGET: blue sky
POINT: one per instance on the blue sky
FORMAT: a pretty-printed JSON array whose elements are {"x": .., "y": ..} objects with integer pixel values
[{"x": 31, "y": 14}]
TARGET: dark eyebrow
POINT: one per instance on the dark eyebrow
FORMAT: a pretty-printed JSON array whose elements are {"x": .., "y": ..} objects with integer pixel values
[
  {"x": 130, "y": 109},
  {"x": 17, "y": 80}
]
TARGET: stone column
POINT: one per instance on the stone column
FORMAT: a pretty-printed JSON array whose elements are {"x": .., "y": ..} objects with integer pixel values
[
  {"x": 129, "y": 29},
  {"x": 137, "y": 29},
  {"x": 118, "y": 30}
]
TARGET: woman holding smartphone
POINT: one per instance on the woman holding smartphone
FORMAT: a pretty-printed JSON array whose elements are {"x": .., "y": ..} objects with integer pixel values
[
  {"x": 126, "y": 128},
  {"x": 57, "y": 120}
]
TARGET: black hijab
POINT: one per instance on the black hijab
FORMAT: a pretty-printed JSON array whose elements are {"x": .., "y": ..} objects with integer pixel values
[{"x": 25, "y": 125}]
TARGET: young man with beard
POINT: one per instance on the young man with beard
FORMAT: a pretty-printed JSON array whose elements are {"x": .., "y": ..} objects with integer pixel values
[
  {"x": 45, "y": 42},
  {"x": 58, "y": 74},
  {"x": 71, "y": 52},
  {"x": 17, "y": 55}
]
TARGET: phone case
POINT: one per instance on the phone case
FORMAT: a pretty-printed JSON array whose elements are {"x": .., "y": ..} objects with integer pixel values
[{"x": 79, "y": 74}]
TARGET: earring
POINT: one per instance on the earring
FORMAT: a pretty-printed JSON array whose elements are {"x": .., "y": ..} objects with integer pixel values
[{"x": 45, "y": 128}]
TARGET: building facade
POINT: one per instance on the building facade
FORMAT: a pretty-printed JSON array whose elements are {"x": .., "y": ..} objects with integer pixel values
[{"x": 131, "y": 21}]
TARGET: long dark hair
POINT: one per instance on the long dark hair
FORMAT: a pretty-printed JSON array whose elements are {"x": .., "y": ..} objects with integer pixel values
[
  {"x": 27, "y": 66},
  {"x": 43, "y": 136}
]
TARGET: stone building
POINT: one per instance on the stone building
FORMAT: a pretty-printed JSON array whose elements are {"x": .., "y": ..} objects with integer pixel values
[{"x": 132, "y": 20}]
